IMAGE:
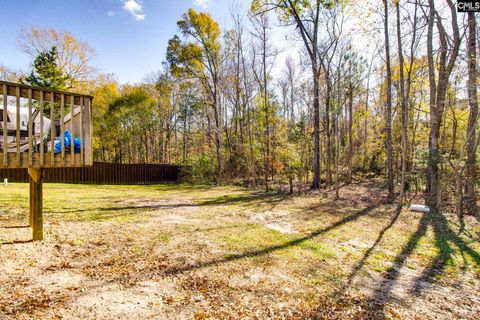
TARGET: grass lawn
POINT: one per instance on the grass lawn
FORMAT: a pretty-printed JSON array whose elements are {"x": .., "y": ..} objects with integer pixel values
[{"x": 202, "y": 252}]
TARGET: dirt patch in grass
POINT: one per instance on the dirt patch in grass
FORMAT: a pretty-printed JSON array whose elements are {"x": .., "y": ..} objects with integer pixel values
[{"x": 187, "y": 252}]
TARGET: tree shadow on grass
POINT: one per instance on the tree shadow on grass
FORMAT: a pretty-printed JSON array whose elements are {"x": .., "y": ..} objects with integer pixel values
[
  {"x": 367, "y": 254},
  {"x": 260, "y": 252},
  {"x": 15, "y": 242},
  {"x": 126, "y": 208},
  {"x": 245, "y": 199},
  {"x": 15, "y": 227},
  {"x": 443, "y": 235},
  {"x": 384, "y": 291},
  {"x": 8, "y": 229},
  {"x": 236, "y": 226}
]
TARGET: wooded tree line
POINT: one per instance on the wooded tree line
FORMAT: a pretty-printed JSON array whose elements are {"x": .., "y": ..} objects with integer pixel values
[{"x": 227, "y": 103}]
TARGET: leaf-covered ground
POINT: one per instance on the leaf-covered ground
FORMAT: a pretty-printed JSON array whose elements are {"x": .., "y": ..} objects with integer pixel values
[{"x": 198, "y": 252}]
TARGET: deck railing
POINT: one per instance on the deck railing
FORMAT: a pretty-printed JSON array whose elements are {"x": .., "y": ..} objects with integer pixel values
[{"x": 43, "y": 128}]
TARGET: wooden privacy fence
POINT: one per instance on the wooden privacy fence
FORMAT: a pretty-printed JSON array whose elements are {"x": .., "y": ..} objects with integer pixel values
[{"x": 103, "y": 173}]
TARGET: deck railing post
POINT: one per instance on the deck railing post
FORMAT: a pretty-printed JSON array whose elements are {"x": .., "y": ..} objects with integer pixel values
[
  {"x": 5, "y": 128},
  {"x": 31, "y": 128},
  {"x": 62, "y": 127},
  {"x": 72, "y": 145},
  {"x": 82, "y": 138},
  {"x": 17, "y": 122},
  {"x": 42, "y": 151},
  {"x": 52, "y": 128}
]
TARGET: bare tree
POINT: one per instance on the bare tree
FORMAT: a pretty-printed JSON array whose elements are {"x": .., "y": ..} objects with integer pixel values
[
  {"x": 306, "y": 16},
  {"x": 74, "y": 56},
  {"x": 446, "y": 57},
  {"x": 267, "y": 55}
]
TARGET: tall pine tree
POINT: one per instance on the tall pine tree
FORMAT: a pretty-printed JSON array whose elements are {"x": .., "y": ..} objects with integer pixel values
[{"x": 46, "y": 73}]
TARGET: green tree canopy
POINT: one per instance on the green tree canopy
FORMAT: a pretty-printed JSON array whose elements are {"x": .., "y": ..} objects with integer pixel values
[{"x": 46, "y": 73}]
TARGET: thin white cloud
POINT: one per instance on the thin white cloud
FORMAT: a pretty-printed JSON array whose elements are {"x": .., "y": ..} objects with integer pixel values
[
  {"x": 111, "y": 13},
  {"x": 203, "y": 3},
  {"x": 135, "y": 9}
]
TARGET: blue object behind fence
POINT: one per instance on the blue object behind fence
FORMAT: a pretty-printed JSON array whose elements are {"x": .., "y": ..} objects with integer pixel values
[{"x": 67, "y": 137}]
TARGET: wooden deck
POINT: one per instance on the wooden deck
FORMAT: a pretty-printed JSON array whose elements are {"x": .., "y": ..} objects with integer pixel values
[
  {"x": 35, "y": 123},
  {"x": 33, "y": 144}
]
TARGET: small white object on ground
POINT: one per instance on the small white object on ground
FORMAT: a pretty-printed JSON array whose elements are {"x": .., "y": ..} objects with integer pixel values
[
  {"x": 5, "y": 182},
  {"x": 419, "y": 208}
]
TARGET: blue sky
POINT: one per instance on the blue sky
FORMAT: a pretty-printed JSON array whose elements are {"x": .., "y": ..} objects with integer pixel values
[{"x": 129, "y": 36}]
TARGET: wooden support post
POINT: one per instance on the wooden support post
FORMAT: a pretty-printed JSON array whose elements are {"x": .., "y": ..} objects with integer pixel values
[
  {"x": 36, "y": 202},
  {"x": 30, "y": 216}
]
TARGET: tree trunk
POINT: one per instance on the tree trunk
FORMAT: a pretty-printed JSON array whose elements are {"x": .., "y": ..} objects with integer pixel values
[
  {"x": 403, "y": 105},
  {"x": 316, "y": 129},
  {"x": 218, "y": 129},
  {"x": 432, "y": 167},
  {"x": 350, "y": 132},
  {"x": 438, "y": 89},
  {"x": 265, "y": 101},
  {"x": 470, "y": 175},
  {"x": 388, "y": 122},
  {"x": 337, "y": 155},
  {"x": 328, "y": 146}
]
